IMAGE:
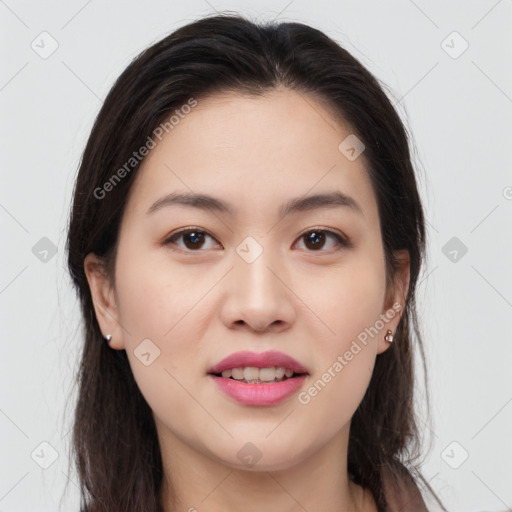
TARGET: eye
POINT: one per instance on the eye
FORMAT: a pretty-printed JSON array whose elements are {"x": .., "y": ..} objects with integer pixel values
[
  {"x": 193, "y": 238},
  {"x": 316, "y": 238}
]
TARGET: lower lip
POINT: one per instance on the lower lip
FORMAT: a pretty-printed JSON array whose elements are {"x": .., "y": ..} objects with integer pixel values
[{"x": 259, "y": 394}]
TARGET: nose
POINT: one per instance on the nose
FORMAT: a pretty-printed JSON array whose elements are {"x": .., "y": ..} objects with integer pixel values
[{"x": 257, "y": 296}]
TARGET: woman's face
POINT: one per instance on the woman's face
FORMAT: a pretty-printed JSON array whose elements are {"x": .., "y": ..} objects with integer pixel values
[{"x": 266, "y": 272}]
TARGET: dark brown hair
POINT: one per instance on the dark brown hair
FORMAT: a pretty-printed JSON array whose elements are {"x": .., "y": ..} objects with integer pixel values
[{"x": 115, "y": 446}]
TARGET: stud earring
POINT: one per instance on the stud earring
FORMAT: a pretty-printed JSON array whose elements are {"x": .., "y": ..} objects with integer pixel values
[
  {"x": 107, "y": 337},
  {"x": 389, "y": 336}
]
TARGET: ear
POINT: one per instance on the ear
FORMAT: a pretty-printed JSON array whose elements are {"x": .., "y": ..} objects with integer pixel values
[
  {"x": 396, "y": 295},
  {"x": 103, "y": 298}
]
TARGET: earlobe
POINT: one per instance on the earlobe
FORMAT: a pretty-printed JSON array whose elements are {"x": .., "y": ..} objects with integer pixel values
[{"x": 103, "y": 299}]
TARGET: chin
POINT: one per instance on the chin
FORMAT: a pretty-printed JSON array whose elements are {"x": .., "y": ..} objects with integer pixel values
[
  {"x": 261, "y": 455},
  {"x": 265, "y": 464}
]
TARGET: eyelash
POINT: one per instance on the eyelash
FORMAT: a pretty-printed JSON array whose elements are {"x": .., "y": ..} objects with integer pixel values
[{"x": 342, "y": 242}]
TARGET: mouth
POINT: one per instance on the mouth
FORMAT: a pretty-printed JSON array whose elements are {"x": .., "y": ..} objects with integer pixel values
[
  {"x": 259, "y": 379},
  {"x": 255, "y": 375},
  {"x": 258, "y": 367}
]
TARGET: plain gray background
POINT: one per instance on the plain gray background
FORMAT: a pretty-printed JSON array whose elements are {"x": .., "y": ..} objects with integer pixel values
[{"x": 456, "y": 101}]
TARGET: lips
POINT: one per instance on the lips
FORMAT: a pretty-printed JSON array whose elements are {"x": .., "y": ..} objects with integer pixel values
[
  {"x": 269, "y": 378},
  {"x": 267, "y": 359}
]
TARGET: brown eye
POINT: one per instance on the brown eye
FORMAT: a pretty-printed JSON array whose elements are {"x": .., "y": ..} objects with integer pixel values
[
  {"x": 193, "y": 239},
  {"x": 315, "y": 239}
]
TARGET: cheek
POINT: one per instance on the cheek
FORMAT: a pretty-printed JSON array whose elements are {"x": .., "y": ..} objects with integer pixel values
[
  {"x": 350, "y": 305},
  {"x": 156, "y": 295},
  {"x": 332, "y": 397},
  {"x": 159, "y": 316},
  {"x": 350, "y": 300}
]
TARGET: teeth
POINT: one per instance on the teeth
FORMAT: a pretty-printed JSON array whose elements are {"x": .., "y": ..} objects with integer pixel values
[
  {"x": 266, "y": 374},
  {"x": 280, "y": 373},
  {"x": 237, "y": 373},
  {"x": 253, "y": 374}
]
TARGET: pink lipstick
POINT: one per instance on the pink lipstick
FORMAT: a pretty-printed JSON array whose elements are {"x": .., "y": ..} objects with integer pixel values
[{"x": 259, "y": 379}]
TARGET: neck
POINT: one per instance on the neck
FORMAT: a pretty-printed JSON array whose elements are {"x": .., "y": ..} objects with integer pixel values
[{"x": 195, "y": 482}]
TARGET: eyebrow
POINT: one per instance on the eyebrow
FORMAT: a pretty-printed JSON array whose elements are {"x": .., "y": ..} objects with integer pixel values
[{"x": 300, "y": 204}]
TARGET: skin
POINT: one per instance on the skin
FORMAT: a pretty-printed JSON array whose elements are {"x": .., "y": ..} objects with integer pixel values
[{"x": 200, "y": 305}]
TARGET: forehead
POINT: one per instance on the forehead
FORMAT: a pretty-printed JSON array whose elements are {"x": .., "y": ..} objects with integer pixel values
[{"x": 256, "y": 152}]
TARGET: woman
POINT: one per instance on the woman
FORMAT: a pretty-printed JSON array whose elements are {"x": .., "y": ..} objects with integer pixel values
[{"x": 245, "y": 238}]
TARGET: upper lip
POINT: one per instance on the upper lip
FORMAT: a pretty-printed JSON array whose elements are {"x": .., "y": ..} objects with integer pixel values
[{"x": 258, "y": 360}]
